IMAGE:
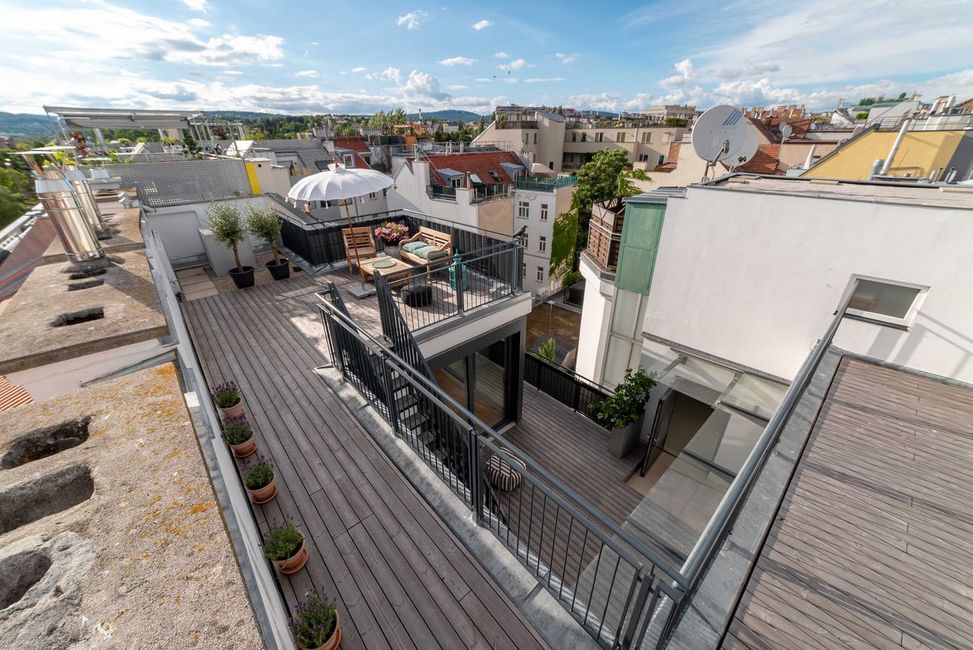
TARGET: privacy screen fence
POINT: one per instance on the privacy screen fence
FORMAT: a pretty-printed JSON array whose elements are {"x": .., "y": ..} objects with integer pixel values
[{"x": 162, "y": 184}]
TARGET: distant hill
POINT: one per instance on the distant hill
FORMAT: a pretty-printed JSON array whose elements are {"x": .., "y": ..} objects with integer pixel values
[
  {"x": 25, "y": 125},
  {"x": 447, "y": 116}
]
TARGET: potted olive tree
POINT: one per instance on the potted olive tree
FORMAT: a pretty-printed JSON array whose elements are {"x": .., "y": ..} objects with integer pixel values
[
  {"x": 285, "y": 546},
  {"x": 315, "y": 624},
  {"x": 260, "y": 482},
  {"x": 263, "y": 223},
  {"x": 227, "y": 227},
  {"x": 621, "y": 413},
  {"x": 239, "y": 436}
]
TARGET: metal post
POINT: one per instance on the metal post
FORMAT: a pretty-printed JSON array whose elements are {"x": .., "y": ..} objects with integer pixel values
[
  {"x": 458, "y": 281},
  {"x": 475, "y": 477}
]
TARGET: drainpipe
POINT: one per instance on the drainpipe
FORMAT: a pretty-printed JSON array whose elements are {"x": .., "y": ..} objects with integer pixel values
[{"x": 895, "y": 146}]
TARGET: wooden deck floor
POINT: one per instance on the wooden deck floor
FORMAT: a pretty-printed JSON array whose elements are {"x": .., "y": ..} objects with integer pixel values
[
  {"x": 873, "y": 544},
  {"x": 400, "y": 578}
]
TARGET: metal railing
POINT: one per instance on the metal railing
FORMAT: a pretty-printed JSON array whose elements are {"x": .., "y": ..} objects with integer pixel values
[
  {"x": 607, "y": 580},
  {"x": 536, "y": 184},
  {"x": 180, "y": 182},
  {"x": 489, "y": 192},
  {"x": 569, "y": 388},
  {"x": 461, "y": 283},
  {"x": 442, "y": 192}
]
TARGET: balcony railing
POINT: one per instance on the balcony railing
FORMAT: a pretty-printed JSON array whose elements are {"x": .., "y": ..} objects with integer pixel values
[
  {"x": 569, "y": 388},
  {"x": 442, "y": 192},
  {"x": 537, "y": 184},
  {"x": 467, "y": 281},
  {"x": 517, "y": 124},
  {"x": 489, "y": 192},
  {"x": 610, "y": 582}
]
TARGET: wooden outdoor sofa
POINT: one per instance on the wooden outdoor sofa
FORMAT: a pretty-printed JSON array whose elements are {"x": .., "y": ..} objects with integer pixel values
[
  {"x": 427, "y": 247},
  {"x": 359, "y": 244}
]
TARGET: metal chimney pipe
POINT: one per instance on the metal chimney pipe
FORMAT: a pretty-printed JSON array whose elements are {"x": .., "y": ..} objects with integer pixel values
[
  {"x": 810, "y": 157},
  {"x": 86, "y": 200},
  {"x": 895, "y": 146},
  {"x": 60, "y": 202}
]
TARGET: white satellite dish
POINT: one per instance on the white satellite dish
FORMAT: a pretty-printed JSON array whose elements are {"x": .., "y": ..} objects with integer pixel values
[
  {"x": 746, "y": 151},
  {"x": 720, "y": 135},
  {"x": 785, "y": 131}
]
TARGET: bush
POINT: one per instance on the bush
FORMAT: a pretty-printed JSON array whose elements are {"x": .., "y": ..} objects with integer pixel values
[
  {"x": 226, "y": 394},
  {"x": 236, "y": 431},
  {"x": 314, "y": 621},
  {"x": 625, "y": 406},
  {"x": 282, "y": 543},
  {"x": 571, "y": 278},
  {"x": 258, "y": 475},
  {"x": 547, "y": 350},
  {"x": 263, "y": 223}
]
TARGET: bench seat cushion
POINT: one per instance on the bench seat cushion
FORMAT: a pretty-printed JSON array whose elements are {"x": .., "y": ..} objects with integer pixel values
[{"x": 413, "y": 246}]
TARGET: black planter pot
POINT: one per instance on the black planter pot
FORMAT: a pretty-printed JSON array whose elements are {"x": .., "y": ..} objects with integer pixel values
[
  {"x": 242, "y": 278},
  {"x": 280, "y": 271}
]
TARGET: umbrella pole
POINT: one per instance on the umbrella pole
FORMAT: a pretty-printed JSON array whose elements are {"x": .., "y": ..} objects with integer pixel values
[{"x": 351, "y": 229}]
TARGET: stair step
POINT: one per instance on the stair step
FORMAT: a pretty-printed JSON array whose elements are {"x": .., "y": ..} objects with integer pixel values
[{"x": 414, "y": 421}]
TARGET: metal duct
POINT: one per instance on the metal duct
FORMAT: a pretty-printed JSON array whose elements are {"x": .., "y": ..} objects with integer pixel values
[
  {"x": 78, "y": 238},
  {"x": 86, "y": 200}
]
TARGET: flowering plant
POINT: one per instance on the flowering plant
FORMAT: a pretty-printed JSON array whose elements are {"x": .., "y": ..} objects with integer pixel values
[
  {"x": 237, "y": 430},
  {"x": 226, "y": 394},
  {"x": 314, "y": 620},
  {"x": 391, "y": 232},
  {"x": 258, "y": 475}
]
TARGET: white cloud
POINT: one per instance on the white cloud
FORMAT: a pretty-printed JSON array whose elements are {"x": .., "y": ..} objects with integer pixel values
[
  {"x": 388, "y": 74},
  {"x": 199, "y": 22},
  {"x": 412, "y": 20},
  {"x": 306, "y": 73},
  {"x": 539, "y": 80},
  {"x": 358, "y": 70},
  {"x": 196, "y": 5},
  {"x": 566, "y": 58},
  {"x": 421, "y": 85},
  {"x": 516, "y": 64},
  {"x": 502, "y": 55},
  {"x": 231, "y": 72},
  {"x": 457, "y": 60},
  {"x": 481, "y": 24},
  {"x": 456, "y": 87}
]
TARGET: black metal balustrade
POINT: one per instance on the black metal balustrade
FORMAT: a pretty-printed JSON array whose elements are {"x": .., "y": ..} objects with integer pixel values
[
  {"x": 569, "y": 388},
  {"x": 608, "y": 581}
]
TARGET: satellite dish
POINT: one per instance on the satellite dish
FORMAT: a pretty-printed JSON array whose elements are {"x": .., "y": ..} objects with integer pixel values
[
  {"x": 748, "y": 147},
  {"x": 718, "y": 133},
  {"x": 785, "y": 131}
]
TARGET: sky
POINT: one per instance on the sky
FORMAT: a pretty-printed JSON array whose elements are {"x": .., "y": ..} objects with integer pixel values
[{"x": 367, "y": 55}]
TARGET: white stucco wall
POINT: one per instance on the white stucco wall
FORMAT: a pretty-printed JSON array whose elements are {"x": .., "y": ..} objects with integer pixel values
[
  {"x": 595, "y": 323},
  {"x": 755, "y": 278}
]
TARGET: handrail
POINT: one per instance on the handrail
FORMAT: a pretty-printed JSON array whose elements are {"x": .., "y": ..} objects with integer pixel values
[
  {"x": 412, "y": 374},
  {"x": 726, "y": 513}
]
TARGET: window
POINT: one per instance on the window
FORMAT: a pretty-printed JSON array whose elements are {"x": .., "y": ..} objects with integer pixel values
[
  {"x": 543, "y": 212},
  {"x": 643, "y": 157},
  {"x": 456, "y": 181},
  {"x": 542, "y": 244},
  {"x": 349, "y": 160},
  {"x": 584, "y": 136},
  {"x": 894, "y": 303},
  {"x": 523, "y": 270},
  {"x": 535, "y": 138},
  {"x": 599, "y": 137},
  {"x": 621, "y": 137},
  {"x": 646, "y": 137},
  {"x": 540, "y": 273},
  {"x": 372, "y": 196},
  {"x": 526, "y": 242},
  {"x": 523, "y": 209},
  {"x": 385, "y": 192},
  {"x": 574, "y": 136}
]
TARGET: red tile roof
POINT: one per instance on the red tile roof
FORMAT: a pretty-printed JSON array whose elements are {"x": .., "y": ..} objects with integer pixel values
[
  {"x": 765, "y": 161},
  {"x": 353, "y": 142},
  {"x": 12, "y": 395},
  {"x": 28, "y": 254},
  {"x": 480, "y": 163}
]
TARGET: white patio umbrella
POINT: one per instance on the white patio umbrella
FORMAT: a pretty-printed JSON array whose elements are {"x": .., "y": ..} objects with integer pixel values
[{"x": 340, "y": 184}]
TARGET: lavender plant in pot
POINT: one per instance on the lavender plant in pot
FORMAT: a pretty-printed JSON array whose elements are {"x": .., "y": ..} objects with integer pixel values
[
  {"x": 228, "y": 399},
  {"x": 285, "y": 546},
  {"x": 263, "y": 223},
  {"x": 239, "y": 436},
  {"x": 622, "y": 412},
  {"x": 315, "y": 624},
  {"x": 260, "y": 481},
  {"x": 227, "y": 227}
]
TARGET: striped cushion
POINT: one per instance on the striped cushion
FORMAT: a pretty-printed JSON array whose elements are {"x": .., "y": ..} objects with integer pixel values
[{"x": 503, "y": 474}]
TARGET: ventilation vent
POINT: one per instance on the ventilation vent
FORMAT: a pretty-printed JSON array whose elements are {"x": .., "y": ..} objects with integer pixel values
[
  {"x": 78, "y": 317},
  {"x": 81, "y": 275},
  {"x": 87, "y": 284}
]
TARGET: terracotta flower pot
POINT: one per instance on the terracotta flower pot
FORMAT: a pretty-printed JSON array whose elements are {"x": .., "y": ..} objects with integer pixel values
[
  {"x": 333, "y": 641},
  {"x": 296, "y": 562},
  {"x": 235, "y": 411},
  {"x": 245, "y": 448},
  {"x": 262, "y": 495}
]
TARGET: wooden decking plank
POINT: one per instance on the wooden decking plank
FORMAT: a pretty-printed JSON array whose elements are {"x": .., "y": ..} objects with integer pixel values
[{"x": 363, "y": 475}]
